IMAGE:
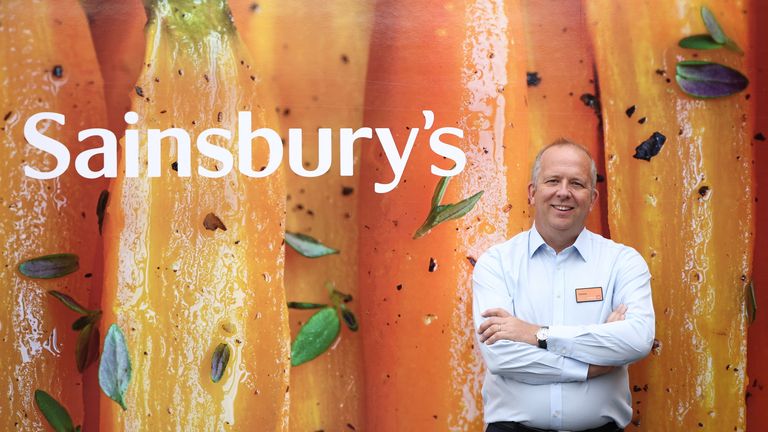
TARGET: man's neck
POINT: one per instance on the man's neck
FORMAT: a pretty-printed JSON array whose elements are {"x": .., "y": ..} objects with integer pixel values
[{"x": 558, "y": 242}]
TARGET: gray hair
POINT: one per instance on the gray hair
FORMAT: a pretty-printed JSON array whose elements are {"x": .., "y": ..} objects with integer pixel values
[{"x": 564, "y": 142}]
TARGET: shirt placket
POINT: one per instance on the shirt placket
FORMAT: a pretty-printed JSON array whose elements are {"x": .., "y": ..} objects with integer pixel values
[{"x": 558, "y": 297}]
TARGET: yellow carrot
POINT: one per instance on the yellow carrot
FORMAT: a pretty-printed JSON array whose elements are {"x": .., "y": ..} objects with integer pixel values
[
  {"x": 195, "y": 262},
  {"x": 688, "y": 211},
  {"x": 47, "y": 64}
]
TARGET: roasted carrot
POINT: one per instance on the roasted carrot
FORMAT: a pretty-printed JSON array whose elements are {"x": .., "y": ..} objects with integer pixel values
[
  {"x": 47, "y": 64},
  {"x": 326, "y": 393},
  {"x": 757, "y": 342},
  {"x": 688, "y": 210},
  {"x": 465, "y": 61},
  {"x": 562, "y": 86},
  {"x": 195, "y": 262}
]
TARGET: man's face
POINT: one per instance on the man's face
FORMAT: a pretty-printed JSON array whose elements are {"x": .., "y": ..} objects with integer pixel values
[{"x": 563, "y": 194}]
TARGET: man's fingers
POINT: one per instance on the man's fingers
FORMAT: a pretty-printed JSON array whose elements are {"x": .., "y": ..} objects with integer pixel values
[
  {"x": 487, "y": 323},
  {"x": 497, "y": 312}
]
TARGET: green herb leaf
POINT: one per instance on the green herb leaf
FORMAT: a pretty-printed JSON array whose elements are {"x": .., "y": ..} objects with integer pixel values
[
  {"x": 704, "y": 79},
  {"x": 442, "y": 213},
  {"x": 115, "y": 366},
  {"x": 713, "y": 27},
  {"x": 440, "y": 189},
  {"x": 307, "y": 246},
  {"x": 101, "y": 205},
  {"x": 71, "y": 303},
  {"x": 717, "y": 33},
  {"x": 752, "y": 302},
  {"x": 348, "y": 317},
  {"x": 54, "y": 412},
  {"x": 315, "y": 336},
  {"x": 87, "y": 348},
  {"x": 700, "y": 42},
  {"x": 219, "y": 362},
  {"x": 304, "y": 305},
  {"x": 50, "y": 266},
  {"x": 83, "y": 321}
]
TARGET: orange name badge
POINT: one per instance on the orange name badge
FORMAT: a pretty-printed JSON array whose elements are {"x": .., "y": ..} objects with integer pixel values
[{"x": 589, "y": 294}]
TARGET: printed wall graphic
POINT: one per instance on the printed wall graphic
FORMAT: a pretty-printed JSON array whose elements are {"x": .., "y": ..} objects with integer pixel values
[{"x": 288, "y": 200}]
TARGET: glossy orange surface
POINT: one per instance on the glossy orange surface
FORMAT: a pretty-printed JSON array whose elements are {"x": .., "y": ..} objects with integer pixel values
[
  {"x": 689, "y": 211},
  {"x": 319, "y": 81},
  {"x": 40, "y": 217},
  {"x": 757, "y": 342},
  {"x": 560, "y": 53},
  {"x": 466, "y": 62},
  {"x": 176, "y": 288}
]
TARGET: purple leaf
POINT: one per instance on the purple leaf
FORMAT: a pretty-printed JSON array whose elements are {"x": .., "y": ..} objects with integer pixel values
[{"x": 708, "y": 80}]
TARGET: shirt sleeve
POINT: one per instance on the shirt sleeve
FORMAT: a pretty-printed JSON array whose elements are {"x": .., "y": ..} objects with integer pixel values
[
  {"x": 620, "y": 342},
  {"x": 519, "y": 361}
]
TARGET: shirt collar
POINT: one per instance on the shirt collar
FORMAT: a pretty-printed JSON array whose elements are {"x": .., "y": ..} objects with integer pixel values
[{"x": 582, "y": 243}]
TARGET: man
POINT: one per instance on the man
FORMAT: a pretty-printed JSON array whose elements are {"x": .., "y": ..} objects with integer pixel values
[{"x": 560, "y": 312}]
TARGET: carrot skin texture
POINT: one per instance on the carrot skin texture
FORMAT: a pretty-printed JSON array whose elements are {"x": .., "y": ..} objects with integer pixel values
[
  {"x": 678, "y": 208},
  {"x": 47, "y": 64},
  {"x": 176, "y": 288}
]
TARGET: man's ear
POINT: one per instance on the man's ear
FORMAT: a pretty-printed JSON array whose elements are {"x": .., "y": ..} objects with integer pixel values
[
  {"x": 531, "y": 190},
  {"x": 595, "y": 194}
]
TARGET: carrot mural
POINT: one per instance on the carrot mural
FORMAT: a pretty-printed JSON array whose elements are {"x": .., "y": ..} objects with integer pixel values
[{"x": 315, "y": 303}]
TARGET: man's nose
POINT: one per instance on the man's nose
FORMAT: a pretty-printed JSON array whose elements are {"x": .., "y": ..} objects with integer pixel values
[{"x": 563, "y": 190}]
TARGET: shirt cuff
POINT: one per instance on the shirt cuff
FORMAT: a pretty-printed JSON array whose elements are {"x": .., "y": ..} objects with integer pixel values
[
  {"x": 560, "y": 340},
  {"x": 574, "y": 370}
]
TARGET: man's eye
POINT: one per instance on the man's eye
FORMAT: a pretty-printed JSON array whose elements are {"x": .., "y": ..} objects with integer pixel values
[
  {"x": 577, "y": 185},
  {"x": 552, "y": 181}
]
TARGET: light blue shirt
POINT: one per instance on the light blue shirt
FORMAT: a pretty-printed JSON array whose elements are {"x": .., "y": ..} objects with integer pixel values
[{"x": 549, "y": 388}]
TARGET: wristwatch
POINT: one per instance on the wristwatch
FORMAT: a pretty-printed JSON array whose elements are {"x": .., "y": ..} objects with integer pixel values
[{"x": 541, "y": 336}]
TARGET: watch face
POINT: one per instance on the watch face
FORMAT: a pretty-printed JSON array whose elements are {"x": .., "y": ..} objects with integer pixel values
[{"x": 542, "y": 333}]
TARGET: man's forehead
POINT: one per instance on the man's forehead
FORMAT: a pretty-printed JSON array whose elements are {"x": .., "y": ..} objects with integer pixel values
[{"x": 565, "y": 157}]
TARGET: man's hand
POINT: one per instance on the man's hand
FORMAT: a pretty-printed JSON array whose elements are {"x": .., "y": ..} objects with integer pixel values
[
  {"x": 618, "y": 314},
  {"x": 502, "y": 325}
]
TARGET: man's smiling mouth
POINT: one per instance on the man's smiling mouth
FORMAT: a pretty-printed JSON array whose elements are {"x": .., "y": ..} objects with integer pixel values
[{"x": 562, "y": 208}]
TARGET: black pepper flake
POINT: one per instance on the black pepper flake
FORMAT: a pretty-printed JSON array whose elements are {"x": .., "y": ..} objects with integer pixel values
[
  {"x": 101, "y": 205},
  {"x": 432, "y": 265},
  {"x": 139, "y": 91},
  {"x": 759, "y": 136},
  {"x": 650, "y": 147},
  {"x": 253, "y": 77},
  {"x": 344, "y": 59},
  {"x": 163, "y": 111},
  {"x": 7, "y": 116},
  {"x": 600, "y": 178},
  {"x": 88, "y": 275},
  {"x": 254, "y": 7},
  {"x": 533, "y": 79},
  {"x": 591, "y": 101},
  {"x": 630, "y": 111},
  {"x": 642, "y": 120},
  {"x": 346, "y": 190},
  {"x": 212, "y": 223},
  {"x": 175, "y": 166},
  {"x": 703, "y": 191},
  {"x": 58, "y": 71},
  {"x": 220, "y": 116},
  {"x": 399, "y": 287},
  {"x": 472, "y": 260},
  {"x": 351, "y": 427}
]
